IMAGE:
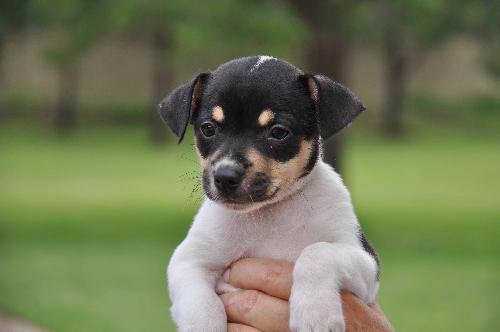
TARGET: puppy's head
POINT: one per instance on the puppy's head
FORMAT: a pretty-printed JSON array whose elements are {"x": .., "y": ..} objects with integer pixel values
[{"x": 258, "y": 122}]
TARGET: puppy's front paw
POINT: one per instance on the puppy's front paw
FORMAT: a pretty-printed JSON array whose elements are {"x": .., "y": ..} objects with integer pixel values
[
  {"x": 222, "y": 287},
  {"x": 317, "y": 313},
  {"x": 202, "y": 316}
]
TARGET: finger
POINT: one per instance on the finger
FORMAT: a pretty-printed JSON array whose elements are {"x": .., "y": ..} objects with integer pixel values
[
  {"x": 233, "y": 327},
  {"x": 361, "y": 317},
  {"x": 256, "y": 309},
  {"x": 272, "y": 277}
]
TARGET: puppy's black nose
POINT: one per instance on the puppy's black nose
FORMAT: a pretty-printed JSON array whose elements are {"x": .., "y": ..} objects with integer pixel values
[{"x": 228, "y": 178}]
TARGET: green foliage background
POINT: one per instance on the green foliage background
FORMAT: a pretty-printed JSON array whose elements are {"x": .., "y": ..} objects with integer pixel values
[
  {"x": 88, "y": 221},
  {"x": 87, "y": 225}
]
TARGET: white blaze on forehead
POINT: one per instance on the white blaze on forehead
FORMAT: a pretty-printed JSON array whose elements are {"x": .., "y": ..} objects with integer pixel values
[
  {"x": 265, "y": 117},
  {"x": 260, "y": 61},
  {"x": 218, "y": 114}
]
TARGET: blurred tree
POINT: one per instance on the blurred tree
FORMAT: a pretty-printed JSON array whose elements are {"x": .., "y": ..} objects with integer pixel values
[
  {"x": 331, "y": 26},
  {"x": 486, "y": 26},
  {"x": 14, "y": 17},
  {"x": 408, "y": 29},
  {"x": 79, "y": 25},
  {"x": 153, "y": 21},
  {"x": 180, "y": 32}
]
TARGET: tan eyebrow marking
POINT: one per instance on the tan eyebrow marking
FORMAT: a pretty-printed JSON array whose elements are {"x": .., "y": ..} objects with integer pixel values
[
  {"x": 218, "y": 114},
  {"x": 265, "y": 117}
]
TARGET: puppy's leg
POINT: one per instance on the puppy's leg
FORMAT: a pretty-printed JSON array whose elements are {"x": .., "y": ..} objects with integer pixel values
[
  {"x": 320, "y": 272},
  {"x": 222, "y": 287},
  {"x": 195, "y": 305}
]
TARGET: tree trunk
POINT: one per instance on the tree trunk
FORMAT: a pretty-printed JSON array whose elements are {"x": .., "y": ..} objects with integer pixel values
[
  {"x": 327, "y": 54},
  {"x": 2, "y": 50},
  {"x": 161, "y": 85},
  {"x": 396, "y": 91},
  {"x": 67, "y": 99},
  {"x": 396, "y": 64}
]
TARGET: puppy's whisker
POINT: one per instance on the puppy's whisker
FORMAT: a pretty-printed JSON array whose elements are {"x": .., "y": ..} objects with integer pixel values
[
  {"x": 189, "y": 175},
  {"x": 253, "y": 202},
  {"x": 289, "y": 184},
  {"x": 187, "y": 156}
]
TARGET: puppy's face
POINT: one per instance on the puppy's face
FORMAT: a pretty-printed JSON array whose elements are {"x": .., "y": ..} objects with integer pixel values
[
  {"x": 257, "y": 129},
  {"x": 256, "y": 135}
]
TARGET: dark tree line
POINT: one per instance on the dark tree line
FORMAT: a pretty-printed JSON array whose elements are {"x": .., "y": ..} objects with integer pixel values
[{"x": 186, "y": 31}]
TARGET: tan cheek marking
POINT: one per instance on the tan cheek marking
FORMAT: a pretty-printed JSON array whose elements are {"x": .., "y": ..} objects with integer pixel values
[
  {"x": 218, "y": 114},
  {"x": 206, "y": 163},
  {"x": 282, "y": 174},
  {"x": 265, "y": 118},
  {"x": 259, "y": 164},
  {"x": 286, "y": 173}
]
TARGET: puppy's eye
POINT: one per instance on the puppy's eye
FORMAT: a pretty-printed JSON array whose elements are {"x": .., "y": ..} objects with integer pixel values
[
  {"x": 279, "y": 132},
  {"x": 208, "y": 129}
]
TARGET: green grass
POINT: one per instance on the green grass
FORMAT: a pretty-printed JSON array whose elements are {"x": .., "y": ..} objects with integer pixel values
[{"x": 87, "y": 225}]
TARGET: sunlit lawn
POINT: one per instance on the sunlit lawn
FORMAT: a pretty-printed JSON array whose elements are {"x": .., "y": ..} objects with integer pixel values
[{"x": 87, "y": 226}]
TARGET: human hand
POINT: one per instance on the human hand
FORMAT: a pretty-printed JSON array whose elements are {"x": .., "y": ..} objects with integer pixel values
[{"x": 262, "y": 302}]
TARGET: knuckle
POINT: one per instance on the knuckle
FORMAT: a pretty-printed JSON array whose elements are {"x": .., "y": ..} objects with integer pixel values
[{"x": 271, "y": 274}]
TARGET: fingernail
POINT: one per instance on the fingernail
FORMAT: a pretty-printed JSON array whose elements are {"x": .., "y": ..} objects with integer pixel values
[{"x": 225, "y": 276}]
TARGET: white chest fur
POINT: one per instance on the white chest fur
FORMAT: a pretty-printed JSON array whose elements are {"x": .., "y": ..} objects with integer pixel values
[
  {"x": 321, "y": 211},
  {"x": 315, "y": 227}
]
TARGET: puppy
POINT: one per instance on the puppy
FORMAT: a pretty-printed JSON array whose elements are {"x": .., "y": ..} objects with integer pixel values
[{"x": 258, "y": 124}]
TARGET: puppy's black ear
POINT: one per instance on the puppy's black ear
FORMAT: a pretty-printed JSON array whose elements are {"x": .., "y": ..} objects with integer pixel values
[
  {"x": 335, "y": 104},
  {"x": 176, "y": 109}
]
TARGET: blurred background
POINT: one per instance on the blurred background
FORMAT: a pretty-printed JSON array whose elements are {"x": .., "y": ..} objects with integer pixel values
[{"x": 95, "y": 193}]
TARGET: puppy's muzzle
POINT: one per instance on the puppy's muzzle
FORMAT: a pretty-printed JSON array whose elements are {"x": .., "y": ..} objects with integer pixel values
[{"x": 227, "y": 179}]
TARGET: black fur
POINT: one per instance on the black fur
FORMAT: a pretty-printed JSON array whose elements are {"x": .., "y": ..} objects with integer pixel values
[
  {"x": 176, "y": 109},
  {"x": 243, "y": 94},
  {"x": 369, "y": 249},
  {"x": 337, "y": 106},
  {"x": 312, "y": 159},
  {"x": 245, "y": 87}
]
